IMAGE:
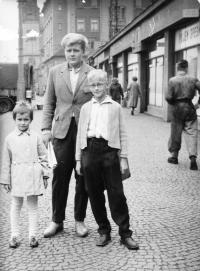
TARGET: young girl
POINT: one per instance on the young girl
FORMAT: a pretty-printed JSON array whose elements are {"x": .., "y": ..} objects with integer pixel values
[{"x": 24, "y": 167}]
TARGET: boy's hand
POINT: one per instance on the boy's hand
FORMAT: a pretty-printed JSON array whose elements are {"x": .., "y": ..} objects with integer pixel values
[
  {"x": 45, "y": 181},
  {"x": 78, "y": 167},
  {"x": 46, "y": 137},
  {"x": 123, "y": 164},
  {"x": 7, "y": 187}
]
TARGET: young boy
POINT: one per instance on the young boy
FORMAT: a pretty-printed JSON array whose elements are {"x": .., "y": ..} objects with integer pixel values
[
  {"x": 101, "y": 140},
  {"x": 24, "y": 169}
]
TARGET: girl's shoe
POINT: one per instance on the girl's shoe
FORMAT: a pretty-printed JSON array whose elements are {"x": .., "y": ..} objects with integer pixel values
[
  {"x": 33, "y": 242},
  {"x": 14, "y": 243}
]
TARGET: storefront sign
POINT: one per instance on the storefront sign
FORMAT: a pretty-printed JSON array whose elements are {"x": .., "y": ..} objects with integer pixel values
[{"x": 187, "y": 37}]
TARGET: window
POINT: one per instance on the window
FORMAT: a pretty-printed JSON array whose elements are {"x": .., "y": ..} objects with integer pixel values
[
  {"x": 122, "y": 13},
  {"x": 94, "y": 24},
  {"x": 59, "y": 27},
  {"x": 138, "y": 3},
  {"x": 91, "y": 44},
  {"x": 80, "y": 25},
  {"x": 94, "y": 3},
  {"x": 59, "y": 7}
]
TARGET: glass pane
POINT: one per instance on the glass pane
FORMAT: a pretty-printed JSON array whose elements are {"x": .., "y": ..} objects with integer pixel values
[
  {"x": 159, "y": 81},
  {"x": 152, "y": 83}
]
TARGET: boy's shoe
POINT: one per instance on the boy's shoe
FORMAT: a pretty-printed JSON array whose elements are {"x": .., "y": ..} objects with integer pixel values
[
  {"x": 33, "y": 242},
  {"x": 129, "y": 243},
  {"x": 193, "y": 163},
  {"x": 81, "y": 229},
  {"x": 173, "y": 160},
  {"x": 53, "y": 229},
  {"x": 14, "y": 243},
  {"x": 103, "y": 240}
]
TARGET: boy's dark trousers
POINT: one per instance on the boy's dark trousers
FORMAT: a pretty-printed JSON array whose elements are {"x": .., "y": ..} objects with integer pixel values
[
  {"x": 65, "y": 154},
  {"x": 101, "y": 170}
]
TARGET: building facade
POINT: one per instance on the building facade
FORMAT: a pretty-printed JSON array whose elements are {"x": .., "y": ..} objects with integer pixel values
[
  {"x": 98, "y": 20},
  {"x": 30, "y": 40},
  {"x": 149, "y": 48}
]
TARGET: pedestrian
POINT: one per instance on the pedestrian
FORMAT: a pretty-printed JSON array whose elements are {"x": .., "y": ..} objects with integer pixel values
[
  {"x": 181, "y": 91},
  {"x": 101, "y": 137},
  {"x": 66, "y": 92},
  {"x": 116, "y": 91},
  {"x": 24, "y": 169},
  {"x": 134, "y": 92}
]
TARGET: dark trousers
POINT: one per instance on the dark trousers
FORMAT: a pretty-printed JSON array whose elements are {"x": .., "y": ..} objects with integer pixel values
[
  {"x": 65, "y": 154},
  {"x": 101, "y": 170},
  {"x": 184, "y": 120}
]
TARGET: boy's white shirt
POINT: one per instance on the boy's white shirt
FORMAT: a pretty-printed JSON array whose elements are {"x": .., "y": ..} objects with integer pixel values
[
  {"x": 98, "y": 124},
  {"x": 117, "y": 136}
]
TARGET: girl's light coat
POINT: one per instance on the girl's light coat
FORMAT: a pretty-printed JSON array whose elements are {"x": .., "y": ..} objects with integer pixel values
[{"x": 24, "y": 163}]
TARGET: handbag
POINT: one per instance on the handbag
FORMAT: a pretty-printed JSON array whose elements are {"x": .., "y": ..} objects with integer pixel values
[{"x": 52, "y": 162}]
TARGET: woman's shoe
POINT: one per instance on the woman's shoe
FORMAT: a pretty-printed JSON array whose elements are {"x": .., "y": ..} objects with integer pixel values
[
  {"x": 14, "y": 243},
  {"x": 33, "y": 242}
]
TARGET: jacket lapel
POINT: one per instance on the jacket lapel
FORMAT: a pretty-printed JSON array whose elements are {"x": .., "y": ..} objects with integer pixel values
[
  {"x": 66, "y": 76},
  {"x": 81, "y": 78}
]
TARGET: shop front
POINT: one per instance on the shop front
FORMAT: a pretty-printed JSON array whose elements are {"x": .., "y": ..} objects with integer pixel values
[
  {"x": 151, "y": 45},
  {"x": 187, "y": 46}
]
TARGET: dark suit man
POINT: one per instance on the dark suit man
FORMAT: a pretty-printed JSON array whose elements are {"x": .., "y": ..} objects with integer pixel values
[
  {"x": 181, "y": 91},
  {"x": 67, "y": 90}
]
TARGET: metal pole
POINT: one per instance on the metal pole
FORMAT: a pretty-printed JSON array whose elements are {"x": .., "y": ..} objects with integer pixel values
[{"x": 21, "y": 81}]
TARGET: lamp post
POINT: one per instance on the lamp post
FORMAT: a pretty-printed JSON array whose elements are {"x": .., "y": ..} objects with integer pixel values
[{"x": 21, "y": 81}]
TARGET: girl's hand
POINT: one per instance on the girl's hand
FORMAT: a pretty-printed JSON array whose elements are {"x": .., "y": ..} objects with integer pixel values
[
  {"x": 7, "y": 187},
  {"x": 45, "y": 181},
  {"x": 78, "y": 167},
  {"x": 123, "y": 164}
]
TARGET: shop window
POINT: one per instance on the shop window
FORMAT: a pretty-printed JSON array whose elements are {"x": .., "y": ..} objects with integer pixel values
[
  {"x": 156, "y": 81},
  {"x": 80, "y": 25},
  {"x": 94, "y": 24}
]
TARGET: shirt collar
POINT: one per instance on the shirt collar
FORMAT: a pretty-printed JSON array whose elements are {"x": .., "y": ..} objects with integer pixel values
[
  {"x": 106, "y": 100},
  {"x": 181, "y": 73},
  {"x": 76, "y": 70},
  {"x": 18, "y": 132}
]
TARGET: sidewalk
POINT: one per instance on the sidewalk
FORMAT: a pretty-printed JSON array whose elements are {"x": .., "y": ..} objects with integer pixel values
[{"x": 163, "y": 202}]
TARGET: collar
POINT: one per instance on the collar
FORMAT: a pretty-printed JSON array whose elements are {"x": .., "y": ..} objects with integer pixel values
[
  {"x": 18, "y": 132},
  {"x": 106, "y": 100},
  {"x": 77, "y": 69},
  {"x": 181, "y": 73}
]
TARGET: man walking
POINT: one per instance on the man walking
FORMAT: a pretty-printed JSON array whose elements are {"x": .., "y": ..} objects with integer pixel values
[
  {"x": 181, "y": 91},
  {"x": 66, "y": 92}
]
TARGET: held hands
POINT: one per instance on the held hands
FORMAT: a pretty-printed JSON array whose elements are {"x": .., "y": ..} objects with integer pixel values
[
  {"x": 46, "y": 137},
  {"x": 78, "y": 167},
  {"x": 123, "y": 165}
]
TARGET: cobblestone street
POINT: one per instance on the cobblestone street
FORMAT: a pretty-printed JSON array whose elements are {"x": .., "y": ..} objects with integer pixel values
[{"x": 164, "y": 205}]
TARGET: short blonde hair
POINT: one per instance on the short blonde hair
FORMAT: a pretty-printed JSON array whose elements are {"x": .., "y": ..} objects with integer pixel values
[
  {"x": 75, "y": 38},
  {"x": 22, "y": 107},
  {"x": 97, "y": 73}
]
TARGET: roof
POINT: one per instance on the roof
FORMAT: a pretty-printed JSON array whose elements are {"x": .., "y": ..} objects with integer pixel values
[{"x": 8, "y": 75}]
